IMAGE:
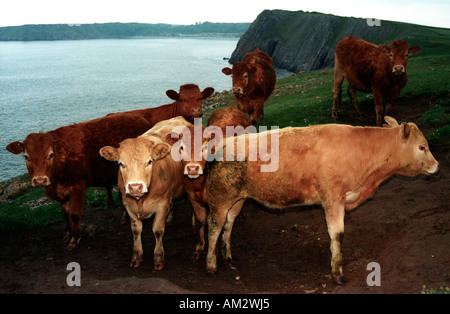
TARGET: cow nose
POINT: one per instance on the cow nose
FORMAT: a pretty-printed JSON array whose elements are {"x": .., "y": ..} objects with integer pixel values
[
  {"x": 196, "y": 111},
  {"x": 40, "y": 181},
  {"x": 193, "y": 169},
  {"x": 237, "y": 90},
  {"x": 135, "y": 188},
  {"x": 399, "y": 69}
]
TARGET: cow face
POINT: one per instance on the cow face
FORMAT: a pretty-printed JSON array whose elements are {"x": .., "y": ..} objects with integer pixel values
[
  {"x": 189, "y": 101},
  {"x": 240, "y": 74},
  {"x": 398, "y": 52},
  {"x": 41, "y": 154},
  {"x": 136, "y": 158},
  {"x": 416, "y": 157}
]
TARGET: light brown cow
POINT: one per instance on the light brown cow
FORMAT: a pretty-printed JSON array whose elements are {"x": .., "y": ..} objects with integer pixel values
[
  {"x": 148, "y": 180},
  {"x": 371, "y": 68},
  {"x": 337, "y": 166}
]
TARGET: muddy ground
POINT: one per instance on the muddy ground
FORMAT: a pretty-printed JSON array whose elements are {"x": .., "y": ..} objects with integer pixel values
[{"x": 404, "y": 227}]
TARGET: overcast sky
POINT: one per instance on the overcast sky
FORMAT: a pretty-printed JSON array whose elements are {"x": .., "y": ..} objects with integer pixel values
[{"x": 20, "y": 12}]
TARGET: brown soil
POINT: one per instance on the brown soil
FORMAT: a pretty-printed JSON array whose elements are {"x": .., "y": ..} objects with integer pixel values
[{"x": 404, "y": 227}]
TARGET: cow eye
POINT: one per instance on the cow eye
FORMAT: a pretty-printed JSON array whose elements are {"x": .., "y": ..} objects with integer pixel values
[
  {"x": 27, "y": 158},
  {"x": 423, "y": 148},
  {"x": 50, "y": 156},
  {"x": 121, "y": 164},
  {"x": 390, "y": 55},
  {"x": 149, "y": 163}
]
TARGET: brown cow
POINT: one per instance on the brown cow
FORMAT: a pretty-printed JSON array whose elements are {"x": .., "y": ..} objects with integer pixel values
[
  {"x": 66, "y": 161},
  {"x": 254, "y": 80},
  {"x": 337, "y": 166},
  {"x": 148, "y": 180},
  {"x": 194, "y": 163},
  {"x": 370, "y": 68},
  {"x": 188, "y": 104}
]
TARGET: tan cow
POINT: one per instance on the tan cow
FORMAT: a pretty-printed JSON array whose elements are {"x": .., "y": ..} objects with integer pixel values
[
  {"x": 148, "y": 180},
  {"x": 337, "y": 166}
]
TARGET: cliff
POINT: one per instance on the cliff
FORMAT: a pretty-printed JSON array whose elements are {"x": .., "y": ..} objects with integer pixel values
[{"x": 307, "y": 40}]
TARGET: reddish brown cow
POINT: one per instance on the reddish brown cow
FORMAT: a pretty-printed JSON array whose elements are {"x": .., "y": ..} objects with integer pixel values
[
  {"x": 188, "y": 104},
  {"x": 194, "y": 163},
  {"x": 370, "y": 68},
  {"x": 148, "y": 180},
  {"x": 66, "y": 161},
  {"x": 337, "y": 166},
  {"x": 254, "y": 80}
]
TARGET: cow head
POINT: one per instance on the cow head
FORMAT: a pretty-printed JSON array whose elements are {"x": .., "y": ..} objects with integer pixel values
[
  {"x": 416, "y": 157},
  {"x": 398, "y": 52},
  {"x": 189, "y": 101},
  {"x": 42, "y": 155},
  {"x": 190, "y": 150},
  {"x": 241, "y": 75},
  {"x": 136, "y": 158}
]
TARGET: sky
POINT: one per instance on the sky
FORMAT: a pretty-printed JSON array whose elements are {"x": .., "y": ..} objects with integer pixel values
[{"x": 20, "y": 12}]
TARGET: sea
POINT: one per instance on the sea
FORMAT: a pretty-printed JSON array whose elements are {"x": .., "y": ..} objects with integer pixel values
[{"x": 48, "y": 84}]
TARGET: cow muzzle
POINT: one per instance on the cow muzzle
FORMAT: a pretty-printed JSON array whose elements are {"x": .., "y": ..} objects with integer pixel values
[
  {"x": 40, "y": 181},
  {"x": 193, "y": 171},
  {"x": 136, "y": 189},
  {"x": 238, "y": 91},
  {"x": 398, "y": 69}
]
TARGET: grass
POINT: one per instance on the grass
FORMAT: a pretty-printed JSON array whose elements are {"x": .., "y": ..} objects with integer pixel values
[{"x": 300, "y": 100}]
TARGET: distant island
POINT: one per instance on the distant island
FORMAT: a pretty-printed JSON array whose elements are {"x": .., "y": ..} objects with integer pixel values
[{"x": 118, "y": 30}]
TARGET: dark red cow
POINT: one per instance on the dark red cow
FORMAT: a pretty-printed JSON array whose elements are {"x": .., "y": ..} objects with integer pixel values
[
  {"x": 66, "y": 161},
  {"x": 254, "y": 80},
  {"x": 370, "y": 68}
]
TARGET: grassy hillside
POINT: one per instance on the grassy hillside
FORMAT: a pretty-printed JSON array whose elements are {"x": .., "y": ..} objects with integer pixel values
[{"x": 300, "y": 100}]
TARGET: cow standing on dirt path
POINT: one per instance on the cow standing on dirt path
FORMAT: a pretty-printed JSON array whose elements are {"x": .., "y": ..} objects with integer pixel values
[
  {"x": 254, "y": 80},
  {"x": 148, "y": 179},
  {"x": 370, "y": 68},
  {"x": 66, "y": 162},
  {"x": 337, "y": 166}
]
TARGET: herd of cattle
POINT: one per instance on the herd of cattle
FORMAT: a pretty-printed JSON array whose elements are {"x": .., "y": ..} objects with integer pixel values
[{"x": 337, "y": 166}]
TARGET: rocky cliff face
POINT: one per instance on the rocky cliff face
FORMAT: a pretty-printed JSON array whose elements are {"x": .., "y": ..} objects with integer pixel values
[{"x": 306, "y": 41}]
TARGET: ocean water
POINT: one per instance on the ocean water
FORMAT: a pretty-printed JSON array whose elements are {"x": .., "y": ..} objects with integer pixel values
[{"x": 46, "y": 85}]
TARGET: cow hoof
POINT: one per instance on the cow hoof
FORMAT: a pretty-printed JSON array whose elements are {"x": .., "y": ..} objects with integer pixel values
[
  {"x": 72, "y": 246},
  {"x": 196, "y": 255},
  {"x": 212, "y": 274},
  {"x": 135, "y": 264},
  {"x": 159, "y": 266},
  {"x": 230, "y": 265},
  {"x": 340, "y": 280}
]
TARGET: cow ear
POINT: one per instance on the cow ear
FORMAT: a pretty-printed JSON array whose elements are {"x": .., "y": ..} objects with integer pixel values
[
  {"x": 414, "y": 49},
  {"x": 160, "y": 151},
  {"x": 226, "y": 71},
  {"x": 172, "y": 94},
  {"x": 406, "y": 131},
  {"x": 109, "y": 153},
  {"x": 15, "y": 148},
  {"x": 207, "y": 92},
  {"x": 391, "y": 122},
  {"x": 384, "y": 49}
]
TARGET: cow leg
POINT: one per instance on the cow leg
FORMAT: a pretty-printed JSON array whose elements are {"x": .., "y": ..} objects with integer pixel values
[
  {"x": 65, "y": 206},
  {"x": 159, "y": 224},
  {"x": 337, "y": 90},
  {"x": 335, "y": 223},
  {"x": 76, "y": 206},
  {"x": 258, "y": 110},
  {"x": 109, "y": 196},
  {"x": 352, "y": 94},
  {"x": 226, "y": 236},
  {"x": 136, "y": 229},
  {"x": 379, "y": 108},
  {"x": 216, "y": 220},
  {"x": 198, "y": 226}
]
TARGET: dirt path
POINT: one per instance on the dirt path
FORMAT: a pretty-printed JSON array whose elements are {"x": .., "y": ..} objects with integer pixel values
[{"x": 404, "y": 228}]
